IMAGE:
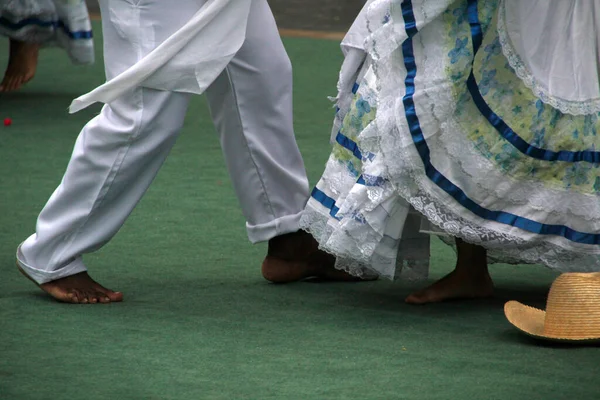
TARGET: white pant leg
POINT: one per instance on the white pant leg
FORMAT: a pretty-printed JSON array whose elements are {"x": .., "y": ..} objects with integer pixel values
[
  {"x": 251, "y": 105},
  {"x": 118, "y": 153}
]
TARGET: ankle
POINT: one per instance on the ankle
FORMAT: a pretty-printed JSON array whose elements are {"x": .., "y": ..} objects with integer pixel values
[
  {"x": 472, "y": 269},
  {"x": 292, "y": 246}
]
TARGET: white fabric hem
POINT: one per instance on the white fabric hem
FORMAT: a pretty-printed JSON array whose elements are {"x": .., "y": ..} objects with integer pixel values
[
  {"x": 40, "y": 276},
  {"x": 277, "y": 227}
]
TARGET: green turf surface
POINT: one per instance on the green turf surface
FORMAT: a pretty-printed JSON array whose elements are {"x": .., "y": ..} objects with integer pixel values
[{"x": 199, "y": 322}]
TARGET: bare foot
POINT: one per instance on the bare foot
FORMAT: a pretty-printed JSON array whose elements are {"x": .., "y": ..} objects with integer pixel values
[
  {"x": 78, "y": 289},
  {"x": 319, "y": 265},
  {"x": 456, "y": 285},
  {"x": 296, "y": 256},
  {"x": 22, "y": 65}
]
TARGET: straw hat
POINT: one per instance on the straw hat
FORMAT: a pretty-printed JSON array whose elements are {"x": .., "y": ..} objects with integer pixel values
[{"x": 572, "y": 311}]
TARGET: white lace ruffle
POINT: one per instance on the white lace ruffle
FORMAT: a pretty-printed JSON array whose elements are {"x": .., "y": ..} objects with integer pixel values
[
  {"x": 558, "y": 206},
  {"x": 374, "y": 226},
  {"x": 367, "y": 254},
  {"x": 539, "y": 89}
]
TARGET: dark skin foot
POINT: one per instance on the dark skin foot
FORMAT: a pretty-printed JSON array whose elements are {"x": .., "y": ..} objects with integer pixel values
[
  {"x": 296, "y": 256},
  {"x": 22, "y": 65},
  {"x": 469, "y": 280},
  {"x": 78, "y": 289},
  {"x": 454, "y": 286}
]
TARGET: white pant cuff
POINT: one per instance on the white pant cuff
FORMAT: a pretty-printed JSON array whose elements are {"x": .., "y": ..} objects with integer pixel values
[
  {"x": 277, "y": 227},
  {"x": 41, "y": 276}
]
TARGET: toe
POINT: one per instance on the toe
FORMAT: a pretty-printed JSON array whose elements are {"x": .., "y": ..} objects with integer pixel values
[
  {"x": 102, "y": 297},
  {"x": 112, "y": 296},
  {"x": 90, "y": 296},
  {"x": 14, "y": 84},
  {"x": 86, "y": 296},
  {"x": 8, "y": 84},
  {"x": 71, "y": 296},
  {"x": 17, "y": 83},
  {"x": 417, "y": 298}
]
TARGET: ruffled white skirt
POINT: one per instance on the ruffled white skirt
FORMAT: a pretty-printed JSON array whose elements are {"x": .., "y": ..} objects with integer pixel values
[{"x": 469, "y": 119}]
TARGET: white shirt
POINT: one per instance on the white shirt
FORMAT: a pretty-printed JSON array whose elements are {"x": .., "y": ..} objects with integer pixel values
[{"x": 197, "y": 53}]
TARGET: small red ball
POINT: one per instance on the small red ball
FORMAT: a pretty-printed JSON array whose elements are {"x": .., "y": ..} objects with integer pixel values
[{"x": 7, "y": 122}]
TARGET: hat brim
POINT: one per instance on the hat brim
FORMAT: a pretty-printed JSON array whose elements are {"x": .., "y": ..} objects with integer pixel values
[{"x": 530, "y": 321}]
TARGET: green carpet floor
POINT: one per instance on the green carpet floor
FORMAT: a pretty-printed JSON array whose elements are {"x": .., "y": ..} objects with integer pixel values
[{"x": 199, "y": 322}]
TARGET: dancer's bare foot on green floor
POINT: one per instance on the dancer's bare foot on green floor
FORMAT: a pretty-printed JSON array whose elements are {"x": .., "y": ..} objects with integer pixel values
[
  {"x": 22, "y": 64},
  {"x": 296, "y": 256},
  {"x": 454, "y": 286},
  {"x": 319, "y": 265},
  {"x": 470, "y": 279},
  {"x": 79, "y": 289}
]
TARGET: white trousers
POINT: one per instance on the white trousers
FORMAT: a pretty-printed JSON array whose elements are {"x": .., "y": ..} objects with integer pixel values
[{"x": 118, "y": 153}]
